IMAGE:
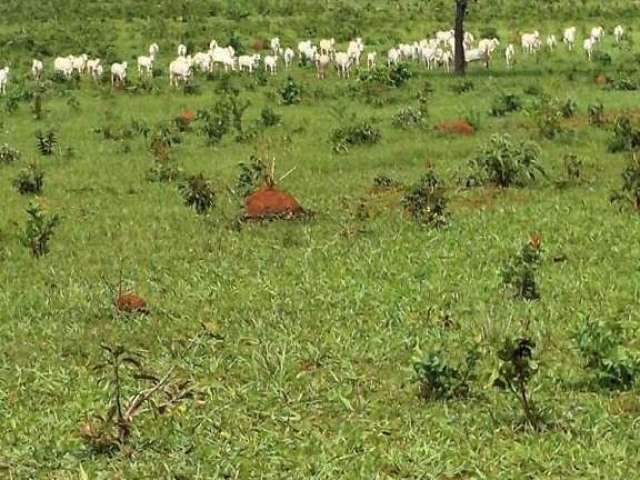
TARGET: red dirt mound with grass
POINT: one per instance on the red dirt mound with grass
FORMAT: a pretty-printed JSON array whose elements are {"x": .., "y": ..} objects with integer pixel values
[
  {"x": 457, "y": 127},
  {"x": 131, "y": 303},
  {"x": 601, "y": 80},
  {"x": 185, "y": 118},
  {"x": 270, "y": 202}
]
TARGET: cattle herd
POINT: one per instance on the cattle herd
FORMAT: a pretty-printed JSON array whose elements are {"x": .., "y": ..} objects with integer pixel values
[{"x": 432, "y": 53}]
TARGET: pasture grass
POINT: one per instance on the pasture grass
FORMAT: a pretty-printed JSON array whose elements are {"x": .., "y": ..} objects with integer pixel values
[{"x": 317, "y": 323}]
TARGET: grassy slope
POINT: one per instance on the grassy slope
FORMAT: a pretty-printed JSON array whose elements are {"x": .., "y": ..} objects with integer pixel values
[{"x": 313, "y": 377}]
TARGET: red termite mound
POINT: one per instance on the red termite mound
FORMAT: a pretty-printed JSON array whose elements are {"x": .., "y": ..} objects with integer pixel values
[
  {"x": 459, "y": 127},
  {"x": 131, "y": 303},
  {"x": 269, "y": 202}
]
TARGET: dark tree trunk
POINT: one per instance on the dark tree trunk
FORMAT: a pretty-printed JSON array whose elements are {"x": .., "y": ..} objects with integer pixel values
[{"x": 460, "y": 62}]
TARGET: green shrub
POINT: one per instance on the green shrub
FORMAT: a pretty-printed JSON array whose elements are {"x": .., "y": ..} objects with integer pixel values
[
  {"x": 426, "y": 201},
  {"x": 9, "y": 155},
  {"x": 626, "y": 137},
  {"x": 409, "y": 118},
  {"x": 505, "y": 103},
  {"x": 250, "y": 177},
  {"x": 30, "y": 179},
  {"x": 629, "y": 193},
  {"x": 569, "y": 108},
  {"x": 355, "y": 133},
  {"x": 441, "y": 381},
  {"x": 269, "y": 118},
  {"x": 290, "y": 92},
  {"x": 462, "y": 86},
  {"x": 198, "y": 193},
  {"x": 395, "y": 76},
  {"x": 39, "y": 228},
  {"x": 518, "y": 274},
  {"x": 504, "y": 163},
  {"x": 46, "y": 142},
  {"x": 595, "y": 112}
]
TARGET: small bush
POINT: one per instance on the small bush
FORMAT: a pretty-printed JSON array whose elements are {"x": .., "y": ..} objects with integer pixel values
[
  {"x": 250, "y": 177},
  {"x": 595, "y": 112},
  {"x": 629, "y": 193},
  {"x": 30, "y": 179},
  {"x": 441, "y": 381},
  {"x": 602, "y": 352},
  {"x": 504, "y": 163},
  {"x": 548, "y": 115},
  {"x": 198, "y": 193},
  {"x": 518, "y": 274},
  {"x": 383, "y": 183},
  {"x": 426, "y": 201},
  {"x": 395, "y": 76},
  {"x": 462, "y": 86},
  {"x": 409, "y": 118},
  {"x": 569, "y": 108},
  {"x": 290, "y": 92},
  {"x": 39, "y": 228},
  {"x": 505, "y": 103},
  {"x": 164, "y": 171},
  {"x": 9, "y": 155},
  {"x": 626, "y": 137},
  {"x": 269, "y": 118},
  {"x": 573, "y": 171},
  {"x": 357, "y": 132},
  {"x": 46, "y": 142}
]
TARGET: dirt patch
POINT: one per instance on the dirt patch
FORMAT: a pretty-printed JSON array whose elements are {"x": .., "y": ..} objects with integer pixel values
[
  {"x": 456, "y": 127},
  {"x": 271, "y": 203},
  {"x": 185, "y": 119},
  {"x": 601, "y": 80},
  {"x": 131, "y": 303}
]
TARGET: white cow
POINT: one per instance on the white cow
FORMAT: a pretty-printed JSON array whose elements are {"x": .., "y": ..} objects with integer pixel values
[
  {"x": 510, "y": 55},
  {"x": 328, "y": 46},
  {"x": 597, "y": 34},
  {"x": 429, "y": 56},
  {"x": 179, "y": 71},
  {"x": 588, "y": 45},
  {"x": 96, "y": 72},
  {"x": 490, "y": 45},
  {"x": 393, "y": 56},
  {"x": 552, "y": 42},
  {"x": 355, "y": 49},
  {"x": 63, "y": 65},
  {"x": 224, "y": 57},
  {"x": 321, "y": 62},
  {"x": 307, "y": 51},
  {"x": 477, "y": 55},
  {"x": 202, "y": 60},
  {"x": 37, "y": 69},
  {"x": 145, "y": 66},
  {"x": 154, "y": 49},
  {"x": 530, "y": 42},
  {"x": 446, "y": 60},
  {"x": 618, "y": 33},
  {"x": 444, "y": 37},
  {"x": 275, "y": 46},
  {"x": 4, "y": 80},
  {"x": 118, "y": 73},
  {"x": 212, "y": 45},
  {"x": 288, "y": 57},
  {"x": 371, "y": 60},
  {"x": 343, "y": 64},
  {"x": 569, "y": 37},
  {"x": 248, "y": 61},
  {"x": 92, "y": 64},
  {"x": 182, "y": 50},
  {"x": 271, "y": 64},
  {"x": 79, "y": 63}
]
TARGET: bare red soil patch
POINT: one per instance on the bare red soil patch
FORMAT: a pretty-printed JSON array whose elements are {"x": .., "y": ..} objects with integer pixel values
[
  {"x": 457, "y": 127},
  {"x": 269, "y": 202},
  {"x": 601, "y": 80},
  {"x": 185, "y": 119}
]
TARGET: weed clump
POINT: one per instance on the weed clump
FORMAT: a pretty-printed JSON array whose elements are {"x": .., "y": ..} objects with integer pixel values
[
  {"x": 626, "y": 136},
  {"x": 39, "y": 228},
  {"x": 46, "y": 142},
  {"x": 30, "y": 179},
  {"x": 629, "y": 193},
  {"x": 9, "y": 155},
  {"x": 518, "y": 274},
  {"x": 198, "y": 193},
  {"x": 290, "y": 92},
  {"x": 426, "y": 201},
  {"x": 439, "y": 380},
  {"x": 505, "y": 103},
  {"x": 505, "y": 163},
  {"x": 355, "y": 133}
]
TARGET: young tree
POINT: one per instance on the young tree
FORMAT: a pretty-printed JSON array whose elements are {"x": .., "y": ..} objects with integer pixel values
[{"x": 460, "y": 62}]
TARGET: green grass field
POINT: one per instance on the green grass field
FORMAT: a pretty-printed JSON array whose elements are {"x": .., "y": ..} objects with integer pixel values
[{"x": 313, "y": 327}]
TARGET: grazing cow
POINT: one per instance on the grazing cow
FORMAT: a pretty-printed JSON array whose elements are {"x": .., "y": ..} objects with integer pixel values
[
  {"x": 79, "y": 64},
  {"x": 92, "y": 64},
  {"x": 64, "y": 66},
  {"x": 618, "y": 33},
  {"x": 213, "y": 45},
  {"x": 490, "y": 45},
  {"x": 37, "y": 69},
  {"x": 393, "y": 56},
  {"x": 96, "y": 72},
  {"x": 446, "y": 60},
  {"x": 343, "y": 64},
  {"x": 288, "y": 57},
  {"x": 179, "y": 71},
  {"x": 271, "y": 64},
  {"x": 477, "y": 55},
  {"x": 371, "y": 60},
  {"x": 569, "y": 37},
  {"x": 328, "y": 47},
  {"x": 248, "y": 61},
  {"x": 145, "y": 66},
  {"x": 597, "y": 34},
  {"x": 322, "y": 62},
  {"x": 510, "y": 55},
  {"x": 154, "y": 49},
  {"x": 355, "y": 49},
  {"x": 444, "y": 38},
  {"x": 4, "y": 80},
  {"x": 588, "y": 45},
  {"x": 202, "y": 60},
  {"x": 530, "y": 42},
  {"x": 224, "y": 57},
  {"x": 182, "y": 50},
  {"x": 118, "y": 73},
  {"x": 275, "y": 46}
]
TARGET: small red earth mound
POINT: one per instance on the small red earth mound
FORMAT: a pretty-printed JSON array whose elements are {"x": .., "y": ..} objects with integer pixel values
[
  {"x": 458, "y": 127},
  {"x": 185, "y": 118},
  {"x": 269, "y": 202},
  {"x": 601, "y": 80},
  {"x": 259, "y": 44},
  {"x": 131, "y": 303}
]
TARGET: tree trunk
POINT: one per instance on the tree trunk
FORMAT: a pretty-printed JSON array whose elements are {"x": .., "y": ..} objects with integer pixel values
[{"x": 460, "y": 62}]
